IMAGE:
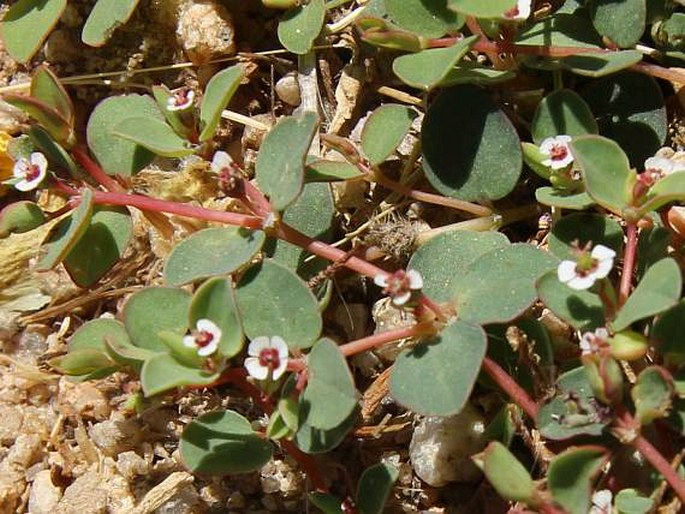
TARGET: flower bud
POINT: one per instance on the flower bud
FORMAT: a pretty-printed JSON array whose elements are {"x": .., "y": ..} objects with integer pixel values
[
  {"x": 605, "y": 377},
  {"x": 628, "y": 345}
]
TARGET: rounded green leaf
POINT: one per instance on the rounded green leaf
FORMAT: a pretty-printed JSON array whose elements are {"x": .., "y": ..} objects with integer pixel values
[
  {"x": 315, "y": 440},
  {"x": 583, "y": 310},
  {"x": 101, "y": 245},
  {"x": 153, "y": 310},
  {"x": 86, "y": 364},
  {"x": 68, "y": 232},
  {"x": 426, "y": 69},
  {"x": 330, "y": 396},
  {"x": 163, "y": 373},
  {"x": 272, "y": 300},
  {"x": 606, "y": 171},
  {"x": 384, "y": 130},
  {"x": 621, "y": 22},
  {"x": 583, "y": 228},
  {"x": 217, "y": 95},
  {"x": 471, "y": 150},
  {"x": 629, "y": 108},
  {"x": 117, "y": 155},
  {"x": 153, "y": 134},
  {"x": 331, "y": 171},
  {"x": 448, "y": 255},
  {"x": 658, "y": 291},
  {"x": 427, "y": 18},
  {"x": 473, "y": 73},
  {"x": 555, "y": 198},
  {"x": 482, "y": 8},
  {"x": 53, "y": 122},
  {"x": 670, "y": 188},
  {"x": 374, "y": 488},
  {"x": 20, "y": 217},
  {"x": 629, "y": 501},
  {"x": 667, "y": 333},
  {"x": 56, "y": 154},
  {"x": 562, "y": 112},
  {"x": 45, "y": 86},
  {"x": 571, "y": 474},
  {"x": 105, "y": 17},
  {"x": 652, "y": 394},
  {"x": 435, "y": 377},
  {"x": 214, "y": 300},
  {"x": 560, "y": 30},
  {"x": 94, "y": 333},
  {"x": 601, "y": 64},
  {"x": 222, "y": 443},
  {"x": 210, "y": 252},
  {"x": 507, "y": 475},
  {"x": 26, "y": 25},
  {"x": 280, "y": 164},
  {"x": 301, "y": 25}
]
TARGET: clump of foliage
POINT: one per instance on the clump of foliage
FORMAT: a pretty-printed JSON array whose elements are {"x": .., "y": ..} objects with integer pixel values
[{"x": 589, "y": 147}]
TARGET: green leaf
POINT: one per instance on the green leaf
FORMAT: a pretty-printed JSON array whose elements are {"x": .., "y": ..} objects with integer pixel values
[
  {"x": 573, "y": 411},
  {"x": 621, "y": 22},
  {"x": 500, "y": 285},
  {"x": 507, "y": 475},
  {"x": 331, "y": 171},
  {"x": 210, "y": 252},
  {"x": 68, "y": 232},
  {"x": 426, "y": 69},
  {"x": 327, "y": 503},
  {"x": 46, "y": 87},
  {"x": 562, "y": 199},
  {"x": 583, "y": 310},
  {"x": 301, "y": 25},
  {"x": 314, "y": 440},
  {"x": 162, "y": 373},
  {"x": 26, "y": 25},
  {"x": 560, "y": 30},
  {"x": 448, "y": 255},
  {"x": 55, "y": 153},
  {"x": 670, "y": 188},
  {"x": 629, "y": 501},
  {"x": 384, "y": 130},
  {"x": 272, "y": 300},
  {"x": 104, "y": 19},
  {"x": 19, "y": 217},
  {"x": 423, "y": 383},
  {"x": 223, "y": 443},
  {"x": 473, "y": 73},
  {"x": 482, "y": 8},
  {"x": 571, "y": 474},
  {"x": 600, "y": 65},
  {"x": 330, "y": 397},
  {"x": 214, "y": 300},
  {"x": 583, "y": 228},
  {"x": 667, "y": 333},
  {"x": 152, "y": 310},
  {"x": 563, "y": 112},
  {"x": 118, "y": 155},
  {"x": 280, "y": 163},
  {"x": 93, "y": 334},
  {"x": 471, "y": 151},
  {"x": 427, "y": 18},
  {"x": 153, "y": 134},
  {"x": 374, "y": 487},
  {"x": 101, "y": 246},
  {"x": 51, "y": 120},
  {"x": 86, "y": 364},
  {"x": 629, "y": 108},
  {"x": 658, "y": 291},
  {"x": 652, "y": 394},
  {"x": 606, "y": 171},
  {"x": 218, "y": 93}
]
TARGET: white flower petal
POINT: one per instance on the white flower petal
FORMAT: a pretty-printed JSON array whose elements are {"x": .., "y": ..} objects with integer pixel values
[
  {"x": 659, "y": 163},
  {"x": 601, "y": 502},
  {"x": 279, "y": 344},
  {"x": 220, "y": 161},
  {"x": 579, "y": 283},
  {"x": 586, "y": 343},
  {"x": 381, "y": 281},
  {"x": 189, "y": 341},
  {"x": 601, "y": 252},
  {"x": 282, "y": 365},
  {"x": 255, "y": 369},
  {"x": 415, "y": 279},
  {"x": 523, "y": 7},
  {"x": 209, "y": 349},
  {"x": 38, "y": 159},
  {"x": 562, "y": 163},
  {"x": 547, "y": 145},
  {"x": 207, "y": 325},
  {"x": 566, "y": 271},
  {"x": 602, "y": 333},
  {"x": 401, "y": 299},
  {"x": 21, "y": 168},
  {"x": 257, "y": 345},
  {"x": 603, "y": 268},
  {"x": 563, "y": 139}
]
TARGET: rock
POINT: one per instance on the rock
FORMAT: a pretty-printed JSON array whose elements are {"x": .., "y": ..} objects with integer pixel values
[
  {"x": 130, "y": 464},
  {"x": 86, "y": 495},
  {"x": 82, "y": 399},
  {"x": 441, "y": 447},
  {"x": 44, "y": 494},
  {"x": 11, "y": 419},
  {"x": 205, "y": 30},
  {"x": 288, "y": 89},
  {"x": 11, "y": 118},
  {"x": 115, "y": 435},
  {"x": 12, "y": 470}
]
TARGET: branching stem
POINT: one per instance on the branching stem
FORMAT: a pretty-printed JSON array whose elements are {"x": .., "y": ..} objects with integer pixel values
[{"x": 628, "y": 263}]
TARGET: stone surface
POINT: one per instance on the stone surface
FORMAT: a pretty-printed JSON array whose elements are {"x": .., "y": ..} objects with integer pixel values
[
  {"x": 44, "y": 494},
  {"x": 205, "y": 30}
]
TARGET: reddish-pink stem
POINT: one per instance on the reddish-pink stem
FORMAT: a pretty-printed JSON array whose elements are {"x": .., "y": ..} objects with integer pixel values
[
  {"x": 509, "y": 385},
  {"x": 628, "y": 263},
  {"x": 376, "y": 340},
  {"x": 96, "y": 171}
]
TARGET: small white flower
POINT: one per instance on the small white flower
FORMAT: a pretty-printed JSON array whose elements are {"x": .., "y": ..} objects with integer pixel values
[
  {"x": 558, "y": 151},
  {"x": 267, "y": 355},
  {"x": 663, "y": 165},
  {"x": 520, "y": 12},
  {"x": 582, "y": 274},
  {"x": 221, "y": 161},
  {"x": 205, "y": 339},
  {"x": 591, "y": 341},
  {"x": 399, "y": 285},
  {"x": 180, "y": 99},
  {"x": 30, "y": 172},
  {"x": 601, "y": 502}
]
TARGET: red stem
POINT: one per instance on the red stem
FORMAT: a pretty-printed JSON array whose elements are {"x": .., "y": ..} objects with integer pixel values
[
  {"x": 628, "y": 263},
  {"x": 376, "y": 340},
  {"x": 509, "y": 385},
  {"x": 96, "y": 171}
]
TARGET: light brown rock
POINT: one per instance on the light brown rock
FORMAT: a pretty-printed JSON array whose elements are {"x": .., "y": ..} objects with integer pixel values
[
  {"x": 205, "y": 30},
  {"x": 44, "y": 494}
]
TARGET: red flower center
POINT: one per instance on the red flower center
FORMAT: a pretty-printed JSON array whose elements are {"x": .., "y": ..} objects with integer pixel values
[
  {"x": 398, "y": 283},
  {"x": 203, "y": 338},
  {"x": 558, "y": 152},
  {"x": 512, "y": 13},
  {"x": 269, "y": 358},
  {"x": 181, "y": 97},
  {"x": 32, "y": 172}
]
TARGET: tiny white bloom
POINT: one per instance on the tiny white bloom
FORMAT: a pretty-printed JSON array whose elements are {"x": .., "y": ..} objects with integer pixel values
[
  {"x": 206, "y": 338},
  {"x": 180, "y": 99},
  {"x": 590, "y": 341},
  {"x": 30, "y": 172},
  {"x": 583, "y": 274},
  {"x": 520, "y": 12},
  {"x": 663, "y": 165},
  {"x": 221, "y": 161},
  {"x": 399, "y": 285},
  {"x": 601, "y": 502},
  {"x": 267, "y": 354},
  {"x": 558, "y": 151}
]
